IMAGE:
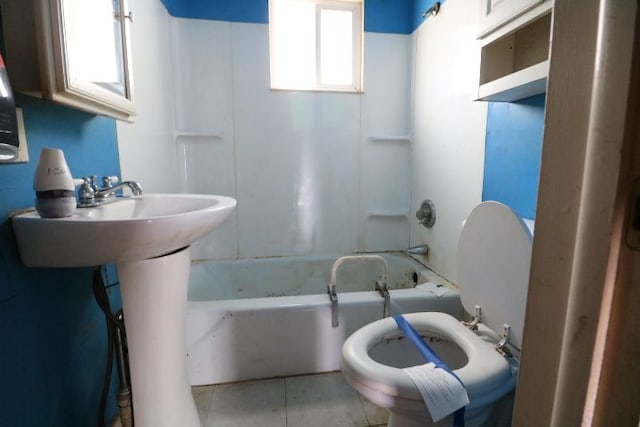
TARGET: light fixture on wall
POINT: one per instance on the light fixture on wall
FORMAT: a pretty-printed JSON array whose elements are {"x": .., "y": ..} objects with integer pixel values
[{"x": 432, "y": 11}]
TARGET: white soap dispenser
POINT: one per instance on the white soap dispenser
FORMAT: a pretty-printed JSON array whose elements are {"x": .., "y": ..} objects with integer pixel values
[{"x": 54, "y": 186}]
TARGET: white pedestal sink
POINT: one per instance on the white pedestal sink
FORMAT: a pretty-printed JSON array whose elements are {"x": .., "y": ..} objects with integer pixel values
[{"x": 148, "y": 238}]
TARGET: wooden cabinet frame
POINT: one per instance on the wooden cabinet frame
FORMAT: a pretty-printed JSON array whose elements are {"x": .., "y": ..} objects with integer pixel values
[{"x": 37, "y": 60}]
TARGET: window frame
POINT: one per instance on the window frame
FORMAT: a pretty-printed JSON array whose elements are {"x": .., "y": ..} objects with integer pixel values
[{"x": 356, "y": 7}]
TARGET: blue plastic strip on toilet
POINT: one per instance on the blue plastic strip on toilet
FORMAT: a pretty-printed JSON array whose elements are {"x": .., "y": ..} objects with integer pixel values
[{"x": 429, "y": 356}]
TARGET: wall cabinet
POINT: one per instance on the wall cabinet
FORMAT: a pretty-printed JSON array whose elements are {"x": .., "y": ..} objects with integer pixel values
[
  {"x": 514, "y": 57},
  {"x": 74, "y": 52},
  {"x": 493, "y": 14}
]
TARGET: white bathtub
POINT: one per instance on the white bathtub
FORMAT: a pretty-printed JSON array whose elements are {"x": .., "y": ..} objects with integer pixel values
[{"x": 270, "y": 317}]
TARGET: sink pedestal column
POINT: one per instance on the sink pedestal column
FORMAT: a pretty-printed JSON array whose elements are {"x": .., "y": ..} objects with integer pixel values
[{"x": 154, "y": 299}]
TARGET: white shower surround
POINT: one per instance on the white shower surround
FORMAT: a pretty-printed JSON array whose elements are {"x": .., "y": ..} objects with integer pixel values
[
  {"x": 304, "y": 168},
  {"x": 301, "y": 164},
  {"x": 449, "y": 129}
]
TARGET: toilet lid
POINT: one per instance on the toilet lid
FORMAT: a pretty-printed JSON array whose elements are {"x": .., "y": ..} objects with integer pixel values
[{"x": 494, "y": 257}]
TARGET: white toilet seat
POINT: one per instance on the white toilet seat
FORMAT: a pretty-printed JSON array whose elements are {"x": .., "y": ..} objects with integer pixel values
[
  {"x": 493, "y": 258},
  {"x": 485, "y": 371}
]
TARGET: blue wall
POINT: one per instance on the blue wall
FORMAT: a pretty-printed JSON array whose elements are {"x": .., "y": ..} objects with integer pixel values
[
  {"x": 419, "y": 7},
  {"x": 388, "y": 16},
  {"x": 253, "y": 11},
  {"x": 53, "y": 351},
  {"x": 380, "y": 16},
  {"x": 513, "y": 153}
]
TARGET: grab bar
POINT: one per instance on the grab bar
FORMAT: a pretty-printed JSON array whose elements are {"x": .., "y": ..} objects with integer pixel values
[
  {"x": 381, "y": 287},
  {"x": 356, "y": 258},
  {"x": 333, "y": 297},
  {"x": 331, "y": 290}
]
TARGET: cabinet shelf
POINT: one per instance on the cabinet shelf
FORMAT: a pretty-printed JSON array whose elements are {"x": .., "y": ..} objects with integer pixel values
[
  {"x": 380, "y": 213},
  {"x": 204, "y": 135},
  {"x": 521, "y": 84},
  {"x": 391, "y": 139},
  {"x": 515, "y": 59}
]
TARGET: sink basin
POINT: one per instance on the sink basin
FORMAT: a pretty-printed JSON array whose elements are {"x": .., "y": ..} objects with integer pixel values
[
  {"x": 129, "y": 229},
  {"x": 148, "y": 238}
]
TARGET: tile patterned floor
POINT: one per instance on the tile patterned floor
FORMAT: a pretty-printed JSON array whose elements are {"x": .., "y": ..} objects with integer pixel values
[{"x": 323, "y": 400}]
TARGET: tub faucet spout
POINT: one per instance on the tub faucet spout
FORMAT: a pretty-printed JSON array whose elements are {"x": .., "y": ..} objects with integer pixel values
[{"x": 418, "y": 250}]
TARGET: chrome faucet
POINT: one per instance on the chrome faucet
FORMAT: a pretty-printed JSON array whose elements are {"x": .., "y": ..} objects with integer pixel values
[
  {"x": 90, "y": 194},
  {"x": 110, "y": 189}
]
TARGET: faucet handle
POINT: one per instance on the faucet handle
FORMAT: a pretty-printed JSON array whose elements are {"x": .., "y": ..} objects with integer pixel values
[
  {"x": 426, "y": 215},
  {"x": 109, "y": 181},
  {"x": 86, "y": 191},
  {"x": 92, "y": 180}
]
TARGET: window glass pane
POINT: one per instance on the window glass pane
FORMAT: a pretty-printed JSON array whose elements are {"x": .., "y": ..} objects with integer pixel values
[
  {"x": 336, "y": 47},
  {"x": 293, "y": 44},
  {"x": 94, "y": 43},
  {"x": 315, "y": 44}
]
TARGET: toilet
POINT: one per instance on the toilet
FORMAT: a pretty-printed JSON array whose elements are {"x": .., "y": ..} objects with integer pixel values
[{"x": 494, "y": 255}]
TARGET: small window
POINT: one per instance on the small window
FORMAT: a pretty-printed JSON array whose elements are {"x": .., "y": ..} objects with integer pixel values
[{"x": 316, "y": 45}]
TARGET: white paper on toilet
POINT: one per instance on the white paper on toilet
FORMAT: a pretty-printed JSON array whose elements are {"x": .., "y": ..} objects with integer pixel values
[{"x": 442, "y": 392}]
